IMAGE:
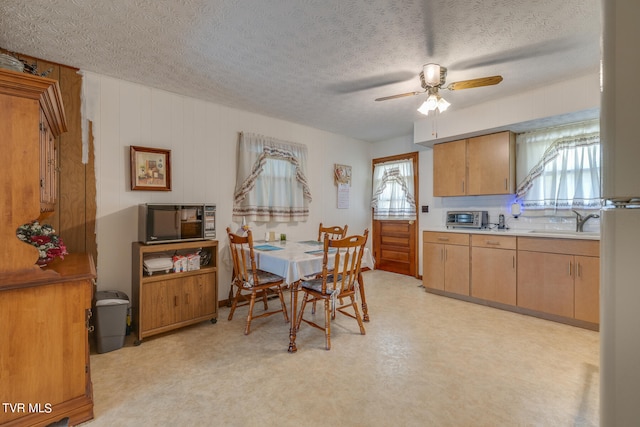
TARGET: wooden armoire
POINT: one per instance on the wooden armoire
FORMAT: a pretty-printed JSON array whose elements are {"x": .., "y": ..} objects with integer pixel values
[{"x": 44, "y": 312}]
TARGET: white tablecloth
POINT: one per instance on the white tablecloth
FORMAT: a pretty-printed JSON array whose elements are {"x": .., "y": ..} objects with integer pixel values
[{"x": 293, "y": 261}]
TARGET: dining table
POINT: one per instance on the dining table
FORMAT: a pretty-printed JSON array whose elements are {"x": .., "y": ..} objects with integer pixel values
[{"x": 298, "y": 260}]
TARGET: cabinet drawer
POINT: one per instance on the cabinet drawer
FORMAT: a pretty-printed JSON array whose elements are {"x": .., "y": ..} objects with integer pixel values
[
  {"x": 446, "y": 238},
  {"x": 560, "y": 246},
  {"x": 491, "y": 241}
]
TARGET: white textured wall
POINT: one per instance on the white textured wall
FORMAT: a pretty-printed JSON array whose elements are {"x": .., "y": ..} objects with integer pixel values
[
  {"x": 570, "y": 100},
  {"x": 202, "y": 138}
]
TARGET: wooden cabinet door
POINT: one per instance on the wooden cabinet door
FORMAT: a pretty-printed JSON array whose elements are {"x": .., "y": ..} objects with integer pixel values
[
  {"x": 197, "y": 296},
  {"x": 45, "y": 347},
  {"x": 450, "y": 168},
  {"x": 545, "y": 282},
  {"x": 456, "y": 269},
  {"x": 587, "y": 288},
  {"x": 491, "y": 163},
  {"x": 493, "y": 274},
  {"x": 160, "y": 303},
  {"x": 433, "y": 266},
  {"x": 48, "y": 167}
]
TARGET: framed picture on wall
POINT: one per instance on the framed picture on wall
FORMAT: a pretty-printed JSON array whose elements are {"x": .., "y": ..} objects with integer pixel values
[
  {"x": 342, "y": 174},
  {"x": 150, "y": 169}
]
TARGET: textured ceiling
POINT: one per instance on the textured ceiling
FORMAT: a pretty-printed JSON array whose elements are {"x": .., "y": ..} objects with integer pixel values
[{"x": 320, "y": 63}]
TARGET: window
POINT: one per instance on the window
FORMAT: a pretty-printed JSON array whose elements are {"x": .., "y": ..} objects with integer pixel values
[
  {"x": 271, "y": 183},
  {"x": 561, "y": 167},
  {"x": 393, "y": 193}
]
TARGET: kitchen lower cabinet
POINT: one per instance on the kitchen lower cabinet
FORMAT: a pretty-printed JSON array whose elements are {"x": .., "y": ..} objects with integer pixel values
[
  {"x": 493, "y": 268},
  {"x": 559, "y": 277},
  {"x": 446, "y": 262},
  {"x": 164, "y": 301},
  {"x": 587, "y": 289},
  {"x": 553, "y": 278}
]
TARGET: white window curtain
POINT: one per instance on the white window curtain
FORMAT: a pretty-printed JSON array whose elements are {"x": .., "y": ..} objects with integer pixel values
[
  {"x": 271, "y": 181},
  {"x": 393, "y": 192},
  {"x": 560, "y": 167}
]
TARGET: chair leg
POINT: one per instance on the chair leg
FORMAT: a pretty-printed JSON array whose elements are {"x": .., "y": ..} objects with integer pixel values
[
  {"x": 358, "y": 317},
  {"x": 284, "y": 306},
  {"x": 250, "y": 315},
  {"x": 327, "y": 322},
  {"x": 304, "y": 305},
  {"x": 234, "y": 304}
]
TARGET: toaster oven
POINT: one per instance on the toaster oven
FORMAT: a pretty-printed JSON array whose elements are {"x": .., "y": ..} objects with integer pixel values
[{"x": 467, "y": 219}]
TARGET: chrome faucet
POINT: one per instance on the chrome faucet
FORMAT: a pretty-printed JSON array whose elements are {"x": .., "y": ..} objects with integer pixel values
[{"x": 581, "y": 220}]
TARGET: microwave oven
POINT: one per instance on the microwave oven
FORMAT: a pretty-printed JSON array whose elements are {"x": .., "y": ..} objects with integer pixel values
[
  {"x": 468, "y": 219},
  {"x": 165, "y": 223}
]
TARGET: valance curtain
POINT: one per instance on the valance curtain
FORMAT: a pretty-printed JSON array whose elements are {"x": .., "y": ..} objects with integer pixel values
[
  {"x": 393, "y": 192},
  {"x": 562, "y": 167},
  {"x": 271, "y": 180}
]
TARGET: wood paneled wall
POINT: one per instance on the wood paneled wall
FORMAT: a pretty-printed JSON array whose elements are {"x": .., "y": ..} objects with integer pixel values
[{"x": 75, "y": 214}]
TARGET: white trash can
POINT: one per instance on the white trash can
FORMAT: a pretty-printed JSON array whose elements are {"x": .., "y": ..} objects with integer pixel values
[{"x": 111, "y": 308}]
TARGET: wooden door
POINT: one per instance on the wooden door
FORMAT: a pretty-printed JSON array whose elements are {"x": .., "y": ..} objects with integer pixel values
[
  {"x": 394, "y": 241},
  {"x": 456, "y": 269},
  {"x": 491, "y": 164},
  {"x": 587, "y": 289},
  {"x": 450, "y": 168},
  {"x": 545, "y": 282},
  {"x": 395, "y": 246}
]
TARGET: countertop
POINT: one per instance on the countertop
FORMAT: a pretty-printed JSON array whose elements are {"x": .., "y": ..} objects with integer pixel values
[{"x": 555, "y": 234}]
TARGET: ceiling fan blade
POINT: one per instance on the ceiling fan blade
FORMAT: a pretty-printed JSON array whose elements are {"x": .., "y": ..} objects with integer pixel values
[
  {"x": 372, "y": 82},
  {"x": 468, "y": 84},
  {"x": 402, "y": 95}
]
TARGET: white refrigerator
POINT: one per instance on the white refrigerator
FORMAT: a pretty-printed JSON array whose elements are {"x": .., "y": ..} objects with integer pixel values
[{"x": 620, "y": 221}]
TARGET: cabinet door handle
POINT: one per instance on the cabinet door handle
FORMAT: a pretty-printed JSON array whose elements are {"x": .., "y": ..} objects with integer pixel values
[
  {"x": 578, "y": 269},
  {"x": 506, "y": 184},
  {"x": 445, "y": 254},
  {"x": 570, "y": 269},
  {"x": 175, "y": 301},
  {"x": 493, "y": 242},
  {"x": 463, "y": 186},
  {"x": 443, "y": 239},
  {"x": 514, "y": 262}
]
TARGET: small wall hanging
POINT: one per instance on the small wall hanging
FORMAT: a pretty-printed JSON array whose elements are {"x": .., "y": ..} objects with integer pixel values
[
  {"x": 150, "y": 169},
  {"x": 342, "y": 174}
]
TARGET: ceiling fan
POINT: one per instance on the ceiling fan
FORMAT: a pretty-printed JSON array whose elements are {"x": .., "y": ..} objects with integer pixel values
[{"x": 432, "y": 79}]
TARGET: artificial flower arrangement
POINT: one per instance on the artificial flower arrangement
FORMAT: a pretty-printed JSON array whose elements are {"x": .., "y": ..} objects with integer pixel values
[{"x": 44, "y": 238}]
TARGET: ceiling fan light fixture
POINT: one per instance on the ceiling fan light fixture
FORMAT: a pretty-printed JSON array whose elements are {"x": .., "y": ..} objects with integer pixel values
[
  {"x": 434, "y": 102},
  {"x": 431, "y": 74}
]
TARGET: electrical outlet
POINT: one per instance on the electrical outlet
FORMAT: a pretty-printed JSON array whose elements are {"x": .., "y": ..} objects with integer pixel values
[{"x": 425, "y": 209}]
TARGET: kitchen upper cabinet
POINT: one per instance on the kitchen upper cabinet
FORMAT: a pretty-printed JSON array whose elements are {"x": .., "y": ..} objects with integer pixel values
[
  {"x": 559, "y": 277},
  {"x": 482, "y": 165},
  {"x": 491, "y": 164},
  {"x": 493, "y": 268},
  {"x": 450, "y": 168},
  {"x": 446, "y": 262}
]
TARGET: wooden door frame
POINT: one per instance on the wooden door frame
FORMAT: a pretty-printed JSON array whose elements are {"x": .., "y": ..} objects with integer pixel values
[{"x": 414, "y": 157}]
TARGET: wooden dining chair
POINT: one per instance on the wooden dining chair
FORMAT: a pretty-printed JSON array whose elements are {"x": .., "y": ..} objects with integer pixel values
[
  {"x": 338, "y": 281},
  {"x": 334, "y": 232},
  {"x": 250, "y": 282}
]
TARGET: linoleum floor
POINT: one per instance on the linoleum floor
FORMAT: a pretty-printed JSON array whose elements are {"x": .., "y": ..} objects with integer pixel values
[{"x": 425, "y": 360}]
